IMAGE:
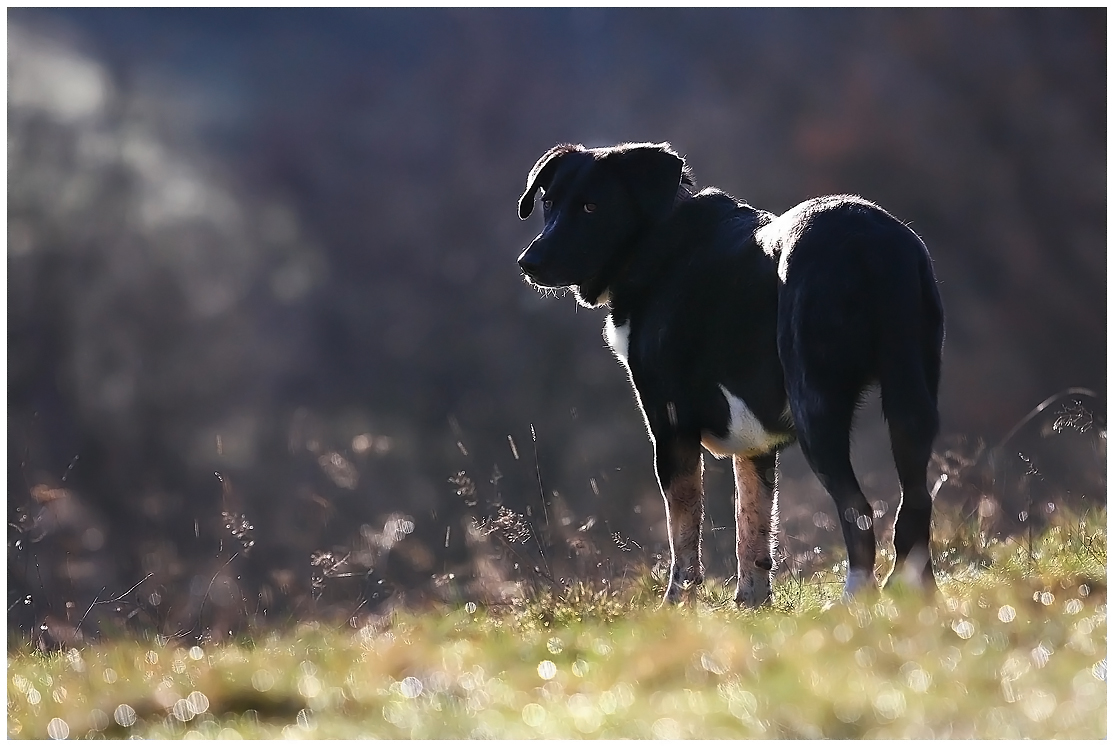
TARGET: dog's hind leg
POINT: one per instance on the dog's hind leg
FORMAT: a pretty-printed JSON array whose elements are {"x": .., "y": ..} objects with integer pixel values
[
  {"x": 680, "y": 473},
  {"x": 756, "y": 527},
  {"x": 824, "y": 422},
  {"x": 910, "y": 370},
  {"x": 911, "y": 412}
]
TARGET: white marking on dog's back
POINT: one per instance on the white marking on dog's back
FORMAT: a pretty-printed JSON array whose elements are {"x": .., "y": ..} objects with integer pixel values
[
  {"x": 617, "y": 337},
  {"x": 745, "y": 434}
]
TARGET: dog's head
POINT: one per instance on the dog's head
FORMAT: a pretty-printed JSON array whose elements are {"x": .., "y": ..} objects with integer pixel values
[{"x": 596, "y": 202}]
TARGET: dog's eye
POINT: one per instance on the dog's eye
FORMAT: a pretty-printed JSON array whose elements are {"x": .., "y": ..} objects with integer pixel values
[
  {"x": 547, "y": 204},
  {"x": 590, "y": 207}
]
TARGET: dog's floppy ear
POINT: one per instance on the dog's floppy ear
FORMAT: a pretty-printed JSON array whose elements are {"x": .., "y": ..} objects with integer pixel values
[
  {"x": 653, "y": 172},
  {"x": 542, "y": 173}
]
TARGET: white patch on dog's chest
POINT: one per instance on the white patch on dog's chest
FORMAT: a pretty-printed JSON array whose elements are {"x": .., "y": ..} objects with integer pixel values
[
  {"x": 617, "y": 337},
  {"x": 745, "y": 434}
]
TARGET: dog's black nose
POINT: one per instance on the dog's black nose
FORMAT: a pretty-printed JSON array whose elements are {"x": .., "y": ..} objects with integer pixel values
[{"x": 529, "y": 264}]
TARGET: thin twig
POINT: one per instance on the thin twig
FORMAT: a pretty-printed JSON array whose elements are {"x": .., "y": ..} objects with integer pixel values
[
  {"x": 69, "y": 468},
  {"x": 545, "y": 510},
  {"x": 523, "y": 561},
  {"x": 349, "y": 574},
  {"x": 211, "y": 583},
  {"x": 113, "y": 600}
]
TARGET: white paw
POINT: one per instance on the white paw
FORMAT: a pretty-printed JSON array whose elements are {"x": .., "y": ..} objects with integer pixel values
[
  {"x": 912, "y": 572},
  {"x": 857, "y": 581}
]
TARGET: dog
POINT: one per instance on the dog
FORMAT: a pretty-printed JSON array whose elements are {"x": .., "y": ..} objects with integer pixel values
[{"x": 745, "y": 332}]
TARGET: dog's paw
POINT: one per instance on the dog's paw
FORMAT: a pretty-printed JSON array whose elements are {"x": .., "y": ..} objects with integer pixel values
[
  {"x": 683, "y": 584},
  {"x": 753, "y": 588},
  {"x": 674, "y": 594},
  {"x": 859, "y": 584},
  {"x": 680, "y": 592},
  {"x": 919, "y": 581}
]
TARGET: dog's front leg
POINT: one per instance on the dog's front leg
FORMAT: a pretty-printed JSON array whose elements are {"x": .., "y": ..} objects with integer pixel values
[
  {"x": 756, "y": 527},
  {"x": 680, "y": 473}
]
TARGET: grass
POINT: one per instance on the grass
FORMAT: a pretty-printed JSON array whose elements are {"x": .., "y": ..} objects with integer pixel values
[{"x": 1015, "y": 649}]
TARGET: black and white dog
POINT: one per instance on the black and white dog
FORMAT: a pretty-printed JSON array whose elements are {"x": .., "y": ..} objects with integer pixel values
[{"x": 744, "y": 332}]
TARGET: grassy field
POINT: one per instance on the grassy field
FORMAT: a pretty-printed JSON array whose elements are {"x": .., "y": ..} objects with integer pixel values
[{"x": 1015, "y": 649}]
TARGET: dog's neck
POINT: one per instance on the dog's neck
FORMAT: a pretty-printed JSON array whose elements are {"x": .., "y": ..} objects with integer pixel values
[
  {"x": 686, "y": 191},
  {"x": 659, "y": 247}
]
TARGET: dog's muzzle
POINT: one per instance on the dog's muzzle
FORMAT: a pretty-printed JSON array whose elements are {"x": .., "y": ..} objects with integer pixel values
[
  {"x": 539, "y": 267},
  {"x": 530, "y": 265}
]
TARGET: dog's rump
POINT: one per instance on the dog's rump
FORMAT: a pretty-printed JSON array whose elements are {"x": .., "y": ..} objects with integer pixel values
[{"x": 858, "y": 284}]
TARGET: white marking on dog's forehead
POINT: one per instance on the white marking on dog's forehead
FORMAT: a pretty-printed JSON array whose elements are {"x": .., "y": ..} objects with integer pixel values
[
  {"x": 745, "y": 434},
  {"x": 617, "y": 337}
]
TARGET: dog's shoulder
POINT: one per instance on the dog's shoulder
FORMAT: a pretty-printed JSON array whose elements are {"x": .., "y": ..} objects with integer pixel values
[
  {"x": 702, "y": 235},
  {"x": 711, "y": 222},
  {"x": 710, "y": 206}
]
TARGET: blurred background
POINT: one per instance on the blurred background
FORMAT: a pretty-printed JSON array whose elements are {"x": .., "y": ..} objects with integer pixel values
[{"x": 270, "y": 356}]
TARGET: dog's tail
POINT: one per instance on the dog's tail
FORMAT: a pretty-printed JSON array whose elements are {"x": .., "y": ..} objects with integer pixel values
[
  {"x": 933, "y": 331},
  {"x": 910, "y": 352}
]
